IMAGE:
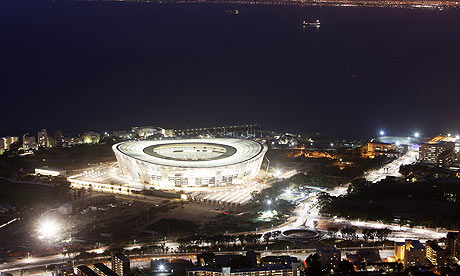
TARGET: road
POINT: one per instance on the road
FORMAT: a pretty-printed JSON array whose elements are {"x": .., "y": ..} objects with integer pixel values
[
  {"x": 308, "y": 212},
  {"x": 392, "y": 169}
]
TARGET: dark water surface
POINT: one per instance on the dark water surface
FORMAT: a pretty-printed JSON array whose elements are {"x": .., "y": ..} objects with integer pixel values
[{"x": 86, "y": 65}]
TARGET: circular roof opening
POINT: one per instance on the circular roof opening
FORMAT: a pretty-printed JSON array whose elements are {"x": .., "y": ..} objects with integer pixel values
[{"x": 190, "y": 151}]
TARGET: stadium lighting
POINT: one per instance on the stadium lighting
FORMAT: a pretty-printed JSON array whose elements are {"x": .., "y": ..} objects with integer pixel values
[
  {"x": 416, "y": 134},
  {"x": 161, "y": 268},
  {"x": 48, "y": 228},
  {"x": 382, "y": 132}
]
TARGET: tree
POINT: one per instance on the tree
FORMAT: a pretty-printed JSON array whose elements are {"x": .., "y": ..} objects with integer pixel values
[
  {"x": 241, "y": 238},
  {"x": 346, "y": 268},
  {"x": 368, "y": 234},
  {"x": 332, "y": 231},
  {"x": 267, "y": 236},
  {"x": 383, "y": 233}
]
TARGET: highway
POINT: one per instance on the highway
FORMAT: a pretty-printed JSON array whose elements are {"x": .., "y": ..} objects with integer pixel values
[
  {"x": 392, "y": 169},
  {"x": 308, "y": 212}
]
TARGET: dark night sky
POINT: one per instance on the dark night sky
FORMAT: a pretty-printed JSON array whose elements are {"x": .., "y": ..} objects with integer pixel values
[{"x": 83, "y": 66}]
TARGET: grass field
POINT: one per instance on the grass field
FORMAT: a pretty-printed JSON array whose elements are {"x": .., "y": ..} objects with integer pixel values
[{"x": 16, "y": 193}]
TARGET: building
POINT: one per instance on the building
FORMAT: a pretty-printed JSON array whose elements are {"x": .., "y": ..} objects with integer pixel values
[
  {"x": 84, "y": 270},
  {"x": 63, "y": 270},
  {"x": 122, "y": 134},
  {"x": 190, "y": 162},
  {"x": 273, "y": 270},
  {"x": 8, "y": 141},
  {"x": 43, "y": 141},
  {"x": 169, "y": 265},
  {"x": 400, "y": 248},
  {"x": 50, "y": 172},
  {"x": 120, "y": 264},
  {"x": 453, "y": 244},
  {"x": 91, "y": 137},
  {"x": 65, "y": 209},
  {"x": 373, "y": 149},
  {"x": 102, "y": 270},
  {"x": 147, "y": 131},
  {"x": 28, "y": 142},
  {"x": 435, "y": 254},
  {"x": 280, "y": 260},
  {"x": 414, "y": 254},
  {"x": 329, "y": 256},
  {"x": 59, "y": 138},
  {"x": 441, "y": 153}
]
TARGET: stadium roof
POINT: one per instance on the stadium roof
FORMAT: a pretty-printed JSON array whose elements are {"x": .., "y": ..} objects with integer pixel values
[{"x": 192, "y": 153}]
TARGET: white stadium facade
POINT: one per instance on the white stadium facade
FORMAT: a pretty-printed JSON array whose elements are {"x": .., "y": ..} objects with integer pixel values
[{"x": 190, "y": 162}]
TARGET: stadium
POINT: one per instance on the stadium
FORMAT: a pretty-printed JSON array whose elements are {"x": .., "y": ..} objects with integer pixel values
[{"x": 190, "y": 162}]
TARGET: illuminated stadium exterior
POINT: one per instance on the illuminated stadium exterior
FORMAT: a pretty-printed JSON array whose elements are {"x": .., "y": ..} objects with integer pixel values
[{"x": 190, "y": 162}]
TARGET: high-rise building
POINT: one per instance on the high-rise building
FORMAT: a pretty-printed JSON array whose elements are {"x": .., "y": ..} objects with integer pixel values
[
  {"x": 414, "y": 254},
  {"x": 453, "y": 244},
  {"x": 435, "y": 254},
  {"x": 84, "y": 270},
  {"x": 102, "y": 270},
  {"x": 28, "y": 142},
  {"x": 42, "y": 138},
  {"x": 329, "y": 256},
  {"x": 400, "y": 247},
  {"x": 120, "y": 264},
  {"x": 441, "y": 153},
  {"x": 59, "y": 138},
  {"x": 91, "y": 137},
  {"x": 8, "y": 141}
]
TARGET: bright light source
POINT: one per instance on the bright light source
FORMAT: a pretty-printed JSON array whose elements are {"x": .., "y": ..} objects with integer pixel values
[
  {"x": 416, "y": 134},
  {"x": 332, "y": 144},
  {"x": 457, "y": 137},
  {"x": 48, "y": 228},
  {"x": 382, "y": 133},
  {"x": 398, "y": 143},
  {"x": 183, "y": 196},
  {"x": 448, "y": 135},
  {"x": 269, "y": 202},
  {"x": 277, "y": 173},
  {"x": 161, "y": 267}
]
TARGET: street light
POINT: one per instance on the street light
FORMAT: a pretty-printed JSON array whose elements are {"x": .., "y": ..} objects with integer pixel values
[{"x": 48, "y": 228}]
